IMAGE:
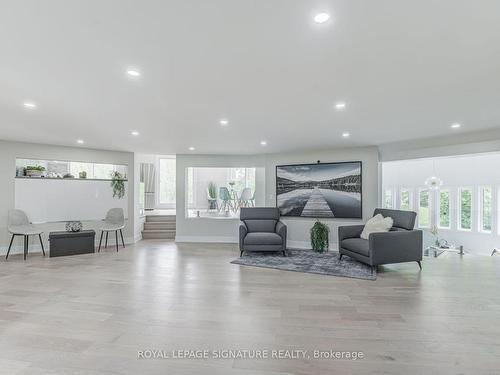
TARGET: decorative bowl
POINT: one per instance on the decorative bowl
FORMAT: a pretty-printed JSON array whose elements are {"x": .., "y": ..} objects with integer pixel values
[{"x": 73, "y": 226}]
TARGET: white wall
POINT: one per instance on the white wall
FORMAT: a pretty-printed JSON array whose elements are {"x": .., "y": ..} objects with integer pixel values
[
  {"x": 226, "y": 230},
  {"x": 9, "y": 151},
  {"x": 459, "y": 171}
]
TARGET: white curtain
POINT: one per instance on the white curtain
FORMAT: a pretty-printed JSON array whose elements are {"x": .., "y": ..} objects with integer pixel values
[{"x": 148, "y": 177}]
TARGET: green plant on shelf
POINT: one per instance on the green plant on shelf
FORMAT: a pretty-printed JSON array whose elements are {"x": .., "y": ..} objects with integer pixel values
[
  {"x": 35, "y": 168},
  {"x": 82, "y": 174},
  {"x": 118, "y": 184},
  {"x": 319, "y": 236}
]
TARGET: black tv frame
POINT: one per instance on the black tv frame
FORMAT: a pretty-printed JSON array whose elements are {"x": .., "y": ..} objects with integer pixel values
[{"x": 320, "y": 163}]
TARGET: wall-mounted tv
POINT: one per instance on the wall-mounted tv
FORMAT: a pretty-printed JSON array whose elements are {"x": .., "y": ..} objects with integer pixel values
[{"x": 321, "y": 190}]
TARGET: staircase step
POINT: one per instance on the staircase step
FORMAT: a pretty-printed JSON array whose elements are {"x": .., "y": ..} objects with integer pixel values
[
  {"x": 158, "y": 234},
  {"x": 160, "y": 218},
  {"x": 159, "y": 225}
]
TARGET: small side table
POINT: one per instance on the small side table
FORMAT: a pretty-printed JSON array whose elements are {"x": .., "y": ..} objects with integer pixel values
[
  {"x": 71, "y": 243},
  {"x": 437, "y": 251}
]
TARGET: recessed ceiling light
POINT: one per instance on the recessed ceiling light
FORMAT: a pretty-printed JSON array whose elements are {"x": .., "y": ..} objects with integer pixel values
[
  {"x": 135, "y": 133},
  {"x": 224, "y": 122},
  {"x": 346, "y": 134},
  {"x": 29, "y": 105},
  {"x": 340, "y": 106},
  {"x": 456, "y": 125},
  {"x": 321, "y": 17},
  {"x": 263, "y": 143},
  {"x": 80, "y": 141},
  {"x": 133, "y": 73},
  {"x": 191, "y": 148}
]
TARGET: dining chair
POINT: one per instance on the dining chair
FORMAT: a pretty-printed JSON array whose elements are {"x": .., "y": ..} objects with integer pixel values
[
  {"x": 212, "y": 201},
  {"x": 225, "y": 197},
  {"x": 114, "y": 222},
  {"x": 18, "y": 224},
  {"x": 252, "y": 200},
  {"x": 245, "y": 197}
]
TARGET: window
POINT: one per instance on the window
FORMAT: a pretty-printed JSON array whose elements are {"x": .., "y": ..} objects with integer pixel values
[
  {"x": 465, "y": 209},
  {"x": 444, "y": 209},
  {"x": 76, "y": 169},
  {"x": 388, "y": 199},
  {"x": 82, "y": 170},
  {"x": 486, "y": 209},
  {"x": 423, "y": 209},
  {"x": 190, "y": 182},
  {"x": 218, "y": 192},
  {"x": 405, "y": 200},
  {"x": 166, "y": 193}
]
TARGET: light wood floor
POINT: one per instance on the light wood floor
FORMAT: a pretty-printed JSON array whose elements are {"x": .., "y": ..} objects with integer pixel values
[{"x": 91, "y": 314}]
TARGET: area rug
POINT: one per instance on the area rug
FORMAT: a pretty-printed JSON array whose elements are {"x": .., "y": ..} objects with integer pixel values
[{"x": 310, "y": 262}]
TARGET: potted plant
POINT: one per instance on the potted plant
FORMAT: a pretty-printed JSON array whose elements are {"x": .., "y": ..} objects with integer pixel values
[
  {"x": 34, "y": 171},
  {"x": 118, "y": 184},
  {"x": 319, "y": 236},
  {"x": 212, "y": 195},
  {"x": 82, "y": 174}
]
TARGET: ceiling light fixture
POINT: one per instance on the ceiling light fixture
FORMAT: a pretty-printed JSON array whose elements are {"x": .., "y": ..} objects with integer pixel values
[
  {"x": 133, "y": 73},
  {"x": 321, "y": 17},
  {"x": 340, "y": 106},
  {"x": 346, "y": 134},
  {"x": 224, "y": 122},
  {"x": 134, "y": 133},
  {"x": 191, "y": 148},
  {"x": 263, "y": 143},
  {"x": 80, "y": 141},
  {"x": 456, "y": 125},
  {"x": 29, "y": 105}
]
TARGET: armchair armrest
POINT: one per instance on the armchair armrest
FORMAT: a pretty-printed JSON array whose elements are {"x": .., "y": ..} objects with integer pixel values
[
  {"x": 396, "y": 246},
  {"x": 281, "y": 230},
  {"x": 350, "y": 231},
  {"x": 243, "y": 233}
]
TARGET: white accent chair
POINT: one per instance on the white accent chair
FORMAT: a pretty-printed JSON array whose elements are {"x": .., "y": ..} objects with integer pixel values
[
  {"x": 18, "y": 224},
  {"x": 114, "y": 222},
  {"x": 246, "y": 197}
]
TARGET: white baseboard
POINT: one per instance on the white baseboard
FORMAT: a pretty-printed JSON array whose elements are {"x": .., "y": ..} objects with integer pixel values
[
  {"x": 36, "y": 248},
  {"x": 214, "y": 239}
]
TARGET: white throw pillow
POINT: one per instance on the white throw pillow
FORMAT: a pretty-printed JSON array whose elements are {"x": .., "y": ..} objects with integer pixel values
[{"x": 377, "y": 224}]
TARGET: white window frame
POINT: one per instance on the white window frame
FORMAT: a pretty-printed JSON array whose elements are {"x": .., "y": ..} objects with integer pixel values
[
  {"x": 410, "y": 198},
  {"x": 160, "y": 205},
  {"x": 392, "y": 198},
  {"x": 480, "y": 203},
  {"x": 438, "y": 208},
  {"x": 429, "y": 212},
  {"x": 459, "y": 208}
]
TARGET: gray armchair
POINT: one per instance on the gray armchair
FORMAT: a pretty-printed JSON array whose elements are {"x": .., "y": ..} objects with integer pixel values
[
  {"x": 261, "y": 230},
  {"x": 401, "y": 244}
]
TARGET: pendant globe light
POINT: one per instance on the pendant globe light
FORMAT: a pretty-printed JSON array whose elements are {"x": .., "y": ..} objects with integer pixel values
[{"x": 433, "y": 182}]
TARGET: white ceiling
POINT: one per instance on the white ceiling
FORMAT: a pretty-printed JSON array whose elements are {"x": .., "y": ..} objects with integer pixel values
[{"x": 406, "y": 69}]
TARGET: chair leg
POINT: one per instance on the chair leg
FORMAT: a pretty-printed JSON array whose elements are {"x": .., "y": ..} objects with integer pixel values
[
  {"x": 10, "y": 245},
  {"x": 25, "y": 246},
  {"x": 116, "y": 240},
  {"x": 123, "y": 242},
  {"x": 340, "y": 257},
  {"x": 100, "y": 241},
  {"x": 106, "y": 243},
  {"x": 284, "y": 253},
  {"x": 419, "y": 264},
  {"x": 241, "y": 253},
  {"x": 41, "y": 243}
]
